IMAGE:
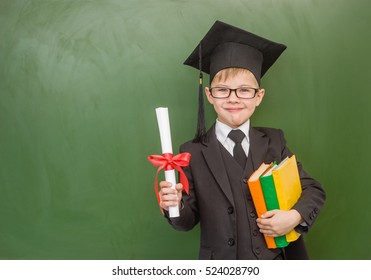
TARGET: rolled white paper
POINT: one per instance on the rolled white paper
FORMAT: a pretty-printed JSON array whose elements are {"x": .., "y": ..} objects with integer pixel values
[{"x": 165, "y": 136}]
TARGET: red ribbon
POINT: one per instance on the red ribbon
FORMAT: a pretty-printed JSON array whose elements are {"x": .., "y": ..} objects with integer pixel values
[{"x": 168, "y": 162}]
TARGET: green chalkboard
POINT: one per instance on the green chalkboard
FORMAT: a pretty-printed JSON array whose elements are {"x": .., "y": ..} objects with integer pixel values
[{"x": 79, "y": 84}]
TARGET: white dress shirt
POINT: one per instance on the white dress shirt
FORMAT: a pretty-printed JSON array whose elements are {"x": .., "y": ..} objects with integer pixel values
[{"x": 222, "y": 130}]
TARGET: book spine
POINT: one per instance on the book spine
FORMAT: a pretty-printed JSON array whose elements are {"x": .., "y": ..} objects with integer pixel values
[{"x": 260, "y": 207}]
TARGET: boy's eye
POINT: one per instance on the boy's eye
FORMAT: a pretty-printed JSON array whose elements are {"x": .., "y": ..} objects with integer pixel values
[
  {"x": 245, "y": 90},
  {"x": 222, "y": 90}
]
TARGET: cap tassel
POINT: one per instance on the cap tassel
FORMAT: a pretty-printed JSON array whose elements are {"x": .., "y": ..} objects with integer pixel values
[{"x": 201, "y": 128}]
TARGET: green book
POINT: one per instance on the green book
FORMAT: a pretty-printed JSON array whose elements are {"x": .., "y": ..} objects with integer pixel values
[{"x": 270, "y": 197}]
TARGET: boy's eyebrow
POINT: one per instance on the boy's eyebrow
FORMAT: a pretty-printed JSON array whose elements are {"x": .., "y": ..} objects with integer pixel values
[{"x": 242, "y": 85}]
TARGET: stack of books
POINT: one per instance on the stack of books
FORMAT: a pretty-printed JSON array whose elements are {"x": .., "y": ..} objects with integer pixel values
[{"x": 275, "y": 186}]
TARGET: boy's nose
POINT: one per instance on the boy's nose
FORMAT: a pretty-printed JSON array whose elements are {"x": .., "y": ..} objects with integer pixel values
[{"x": 233, "y": 96}]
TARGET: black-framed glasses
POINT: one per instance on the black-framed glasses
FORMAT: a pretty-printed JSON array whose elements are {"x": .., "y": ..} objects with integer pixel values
[{"x": 242, "y": 92}]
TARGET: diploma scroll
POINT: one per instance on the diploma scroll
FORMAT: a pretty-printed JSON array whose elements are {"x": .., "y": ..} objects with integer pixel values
[{"x": 162, "y": 115}]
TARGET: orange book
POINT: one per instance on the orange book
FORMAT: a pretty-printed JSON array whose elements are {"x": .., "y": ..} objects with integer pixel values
[{"x": 258, "y": 197}]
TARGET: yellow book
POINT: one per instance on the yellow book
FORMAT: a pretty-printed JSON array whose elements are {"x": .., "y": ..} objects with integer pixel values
[{"x": 288, "y": 188}]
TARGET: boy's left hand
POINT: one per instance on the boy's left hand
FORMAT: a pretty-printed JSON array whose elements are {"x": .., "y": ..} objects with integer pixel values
[{"x": 278, "y": 222}]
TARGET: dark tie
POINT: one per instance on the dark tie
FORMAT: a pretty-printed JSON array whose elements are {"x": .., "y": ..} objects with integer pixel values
[{"x": 238, "y": 153}]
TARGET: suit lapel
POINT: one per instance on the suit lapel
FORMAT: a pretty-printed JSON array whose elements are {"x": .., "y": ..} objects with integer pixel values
[
  {"x": 215, "y": 162},
  {"x": 258, "y": 151},
  {"x": 258, "y": 147}
]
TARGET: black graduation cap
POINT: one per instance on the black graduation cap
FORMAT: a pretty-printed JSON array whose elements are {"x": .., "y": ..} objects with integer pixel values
[{"x": 226, "y": 46}]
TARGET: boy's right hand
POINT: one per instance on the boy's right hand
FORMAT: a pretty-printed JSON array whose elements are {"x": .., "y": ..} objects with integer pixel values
[{"x": 169, "y": 196}]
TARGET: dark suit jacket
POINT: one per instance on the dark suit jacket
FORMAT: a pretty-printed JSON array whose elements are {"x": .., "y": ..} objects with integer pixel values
[{"x": 210, "y": 192}]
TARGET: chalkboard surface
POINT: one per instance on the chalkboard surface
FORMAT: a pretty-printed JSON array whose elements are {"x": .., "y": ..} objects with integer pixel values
[{"x": 79, "y": 84}]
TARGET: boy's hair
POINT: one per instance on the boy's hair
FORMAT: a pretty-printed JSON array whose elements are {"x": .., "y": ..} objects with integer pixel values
[{"x": 224, "y": 74}]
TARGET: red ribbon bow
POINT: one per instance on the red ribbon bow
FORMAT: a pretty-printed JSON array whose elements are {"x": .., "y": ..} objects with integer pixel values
[{"x": 168, "y": 162}]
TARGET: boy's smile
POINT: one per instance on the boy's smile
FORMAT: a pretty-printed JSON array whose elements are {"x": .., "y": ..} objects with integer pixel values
[{"x": 234, "y": 111}]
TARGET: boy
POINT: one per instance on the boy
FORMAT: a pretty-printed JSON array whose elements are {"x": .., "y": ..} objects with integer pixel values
[{"x": 224, "y": 157}]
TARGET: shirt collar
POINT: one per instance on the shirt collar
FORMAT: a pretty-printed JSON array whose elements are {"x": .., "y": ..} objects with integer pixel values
[{"x": 222, "y": 130}]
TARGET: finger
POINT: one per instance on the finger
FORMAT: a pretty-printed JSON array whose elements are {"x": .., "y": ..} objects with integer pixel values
[
  {"x": 165, "y": 184},
  {"x": 169, "y": 197},
  {"x": 167, "y": 203},
  {"x": 269, "y": 233},
  {"x": 269, "y": 214},
  {"x": 167, "y": 200},
  {"x": 179, "y": 187},
  {"x": 265, "y": 227},
  {"x": 264, "y": 222},
  {"x": 165, "y": 191}
]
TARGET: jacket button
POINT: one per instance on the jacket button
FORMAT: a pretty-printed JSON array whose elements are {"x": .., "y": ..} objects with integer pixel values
[
  {"x": 252, "y": 214},
  {"x": 249, "y": 197},
  {"x": 230, "y": 241},
  {"x": 255, "y": 232},
  {"x": 230, "y": 210},
  {"x": 244, "y": 180},
  {"x": 257, "y": 250},
  {"x": 312, "y": 215}
]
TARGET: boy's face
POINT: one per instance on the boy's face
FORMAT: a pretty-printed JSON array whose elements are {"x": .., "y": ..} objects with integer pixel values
[{"x": 234, "y": 111}]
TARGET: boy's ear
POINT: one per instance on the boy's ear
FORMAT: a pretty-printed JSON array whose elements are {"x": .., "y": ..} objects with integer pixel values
[
  {"x": 260, "y": 96},
  {"x": 208, "y": 95}
]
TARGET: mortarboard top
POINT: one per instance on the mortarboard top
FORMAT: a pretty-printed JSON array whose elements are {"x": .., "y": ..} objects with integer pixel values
[{"x": 226, "y": 46}]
